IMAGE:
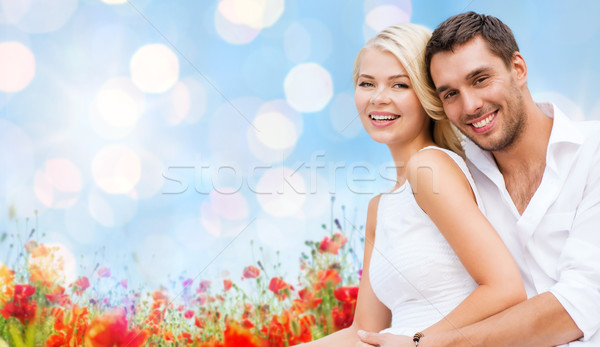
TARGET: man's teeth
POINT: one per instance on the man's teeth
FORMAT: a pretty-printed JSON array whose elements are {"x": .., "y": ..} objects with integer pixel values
[
  {"x": 484, "y": 121},
  {"x": 378, "y": 117}
]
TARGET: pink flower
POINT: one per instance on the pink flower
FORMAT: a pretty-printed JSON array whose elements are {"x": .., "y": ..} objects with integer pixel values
[
  {"x": 188, "y": 282},
  {"x": 104, "y": 272},
  {"x": 188, "y": 314},
  {"x": 80, "y": 285},
  {"x": 203, "y": 287}
]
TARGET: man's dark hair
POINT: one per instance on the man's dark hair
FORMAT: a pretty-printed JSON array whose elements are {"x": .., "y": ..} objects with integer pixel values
[{"x": 463, "y": 27}]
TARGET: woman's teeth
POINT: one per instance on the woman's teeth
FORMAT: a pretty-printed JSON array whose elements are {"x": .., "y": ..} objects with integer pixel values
[
  {"x": 381, "y": 118},
  {"x": 484, "y": 121}
]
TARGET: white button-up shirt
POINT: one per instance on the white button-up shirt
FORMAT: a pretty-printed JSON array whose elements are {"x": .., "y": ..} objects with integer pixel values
[{"x": 556, "y": 242}]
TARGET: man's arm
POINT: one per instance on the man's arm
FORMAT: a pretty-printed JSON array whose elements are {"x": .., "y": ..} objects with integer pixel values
[{"x": 539, "y": 321}]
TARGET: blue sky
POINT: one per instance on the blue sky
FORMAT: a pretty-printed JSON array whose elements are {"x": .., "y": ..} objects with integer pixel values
[{"x": 160, "y": 137}]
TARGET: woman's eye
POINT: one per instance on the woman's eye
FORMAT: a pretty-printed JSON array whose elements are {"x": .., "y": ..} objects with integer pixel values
[
  {"x": 400, "y": 85},
  {"x": 365, "y": 84}
]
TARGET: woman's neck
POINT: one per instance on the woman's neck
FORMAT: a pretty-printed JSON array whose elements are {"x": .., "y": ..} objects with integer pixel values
[{"x": 401, "y": 155}]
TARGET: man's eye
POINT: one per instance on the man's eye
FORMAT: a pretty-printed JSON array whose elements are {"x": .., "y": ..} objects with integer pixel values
[
  {"x": 480, "y": 80},
  {"x": 449, "y": 95}
]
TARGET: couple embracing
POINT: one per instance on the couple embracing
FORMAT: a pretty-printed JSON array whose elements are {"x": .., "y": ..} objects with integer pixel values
[{"x": 490, "y": 240}]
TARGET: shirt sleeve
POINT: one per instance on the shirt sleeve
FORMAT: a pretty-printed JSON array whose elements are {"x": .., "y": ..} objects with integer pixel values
[{"x": 578, "y": 286}]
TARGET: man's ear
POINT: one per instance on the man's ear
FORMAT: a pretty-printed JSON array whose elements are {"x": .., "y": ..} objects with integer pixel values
[{"x": 519, "y": 68}]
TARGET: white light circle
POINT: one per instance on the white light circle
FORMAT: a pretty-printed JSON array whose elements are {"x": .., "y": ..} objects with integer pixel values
[
  {"x": 308, "y": 87},
  {"x": 383, "y": 16},
  {"x": 58, "y": 184},
  {"x": 68, "y": 259},
  {"x": 18, "y": 66},
  {"x": 154, "y": 68},
  {"x": 236, "y": 34},
  {"x": 117, "y": 107},
  {"x": 116, "y": 169},
  {"x": 281, "y": 192},
  {"x": 275, "y": 131},
  {"x": 256, "y": 14}
]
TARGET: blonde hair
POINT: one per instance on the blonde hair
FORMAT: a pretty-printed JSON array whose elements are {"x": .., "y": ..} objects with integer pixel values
[{"x": 407, "y": 43}]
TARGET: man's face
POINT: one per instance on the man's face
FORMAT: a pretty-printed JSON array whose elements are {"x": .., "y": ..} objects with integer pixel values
[{"x": 480, "y": 94}]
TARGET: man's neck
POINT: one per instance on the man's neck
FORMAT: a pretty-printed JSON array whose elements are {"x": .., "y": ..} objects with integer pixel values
[{"x": 522, "y": 164}]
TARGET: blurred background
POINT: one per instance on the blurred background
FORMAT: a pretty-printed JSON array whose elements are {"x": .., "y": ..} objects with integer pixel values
[{"x": 192, "y": 138}]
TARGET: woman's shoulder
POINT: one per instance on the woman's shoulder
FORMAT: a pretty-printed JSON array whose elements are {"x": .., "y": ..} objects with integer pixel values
[{"x": 436, "y": 160}]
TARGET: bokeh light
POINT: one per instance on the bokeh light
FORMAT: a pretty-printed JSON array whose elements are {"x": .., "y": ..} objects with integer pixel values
[
  {"x": 256, "y": 14},
  {"x": 154, "y": 68},
  {"x": 117, "y": 107},
  {"x": 68, "y": 259},
  {"x": 18, "y": 66},
  {"x": 308, "y": 40},
  {"x": 308, "y": 87},
  {"x": 224, "y": 213},
  {"x": 38, "y": 16},
  {"x": 114, "y": 2},
  {"x": 151, "y": 175},
  {"x": 281, "y": 192},
  {"x": 58, "y": 184},
  {"x": 275, "y": 131},
  {"x": 116, "y": 169},
  {"x": 236, "y": 34},
  {"x": 112, "y": 211},
  {"x": 180, "y": 104}
]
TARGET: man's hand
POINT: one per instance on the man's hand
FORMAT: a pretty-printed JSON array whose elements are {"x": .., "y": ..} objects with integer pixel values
[{"x": 369, "y": 339}]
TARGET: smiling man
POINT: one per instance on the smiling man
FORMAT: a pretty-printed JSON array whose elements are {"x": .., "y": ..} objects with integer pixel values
[{"x": 539, "y": 177}]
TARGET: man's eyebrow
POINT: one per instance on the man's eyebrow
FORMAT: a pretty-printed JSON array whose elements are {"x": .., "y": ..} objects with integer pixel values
[
  {"x": 477, "y": 71},
  {"x": 472, "y": 74}
]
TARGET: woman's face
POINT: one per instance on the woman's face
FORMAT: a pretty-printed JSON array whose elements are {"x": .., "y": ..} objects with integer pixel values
[{"x": 386, "y": 102}]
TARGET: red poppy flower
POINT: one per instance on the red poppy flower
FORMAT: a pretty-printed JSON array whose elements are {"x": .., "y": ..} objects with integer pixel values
[
  {"x": 227, "y": 284},
  {"x": 110, "y": 330},
  {"x": 279, "y": 287},
  {"x": 22, "y": 306},
  {"x": 250, "y": 271},
  {"x": 346, "y": 294}
]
